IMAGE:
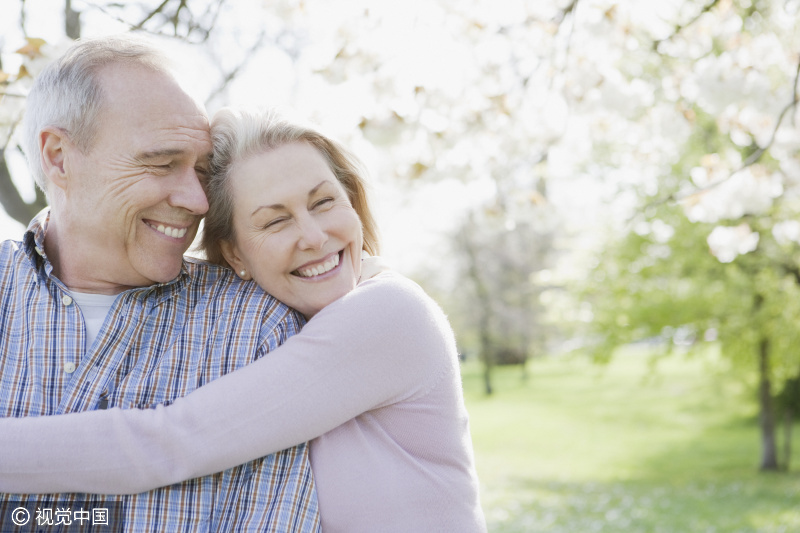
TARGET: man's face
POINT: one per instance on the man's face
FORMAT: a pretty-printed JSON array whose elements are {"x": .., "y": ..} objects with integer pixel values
[{"x": 135, "y": 199}]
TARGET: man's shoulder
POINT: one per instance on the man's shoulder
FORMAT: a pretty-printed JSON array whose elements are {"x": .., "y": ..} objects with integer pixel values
[
  {"x": 219, "y": 281},
  {"x": 235, "y": 306},
  {"x": 12, "y": 256},
  {"x": 9, "y": 248},
  {"x": 223, "y": 286}
]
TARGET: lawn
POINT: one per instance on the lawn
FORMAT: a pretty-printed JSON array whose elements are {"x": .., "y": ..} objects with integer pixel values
[{"x": 625, "y": 447}]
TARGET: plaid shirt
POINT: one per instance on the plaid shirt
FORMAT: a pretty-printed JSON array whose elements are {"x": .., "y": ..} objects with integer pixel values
[{"x": 157, "y": 344}]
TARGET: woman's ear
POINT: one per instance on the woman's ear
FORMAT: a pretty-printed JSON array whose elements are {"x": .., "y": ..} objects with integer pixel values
[
  {"x": 52, "y": 148},
  {"x": 231, "y": 254}
]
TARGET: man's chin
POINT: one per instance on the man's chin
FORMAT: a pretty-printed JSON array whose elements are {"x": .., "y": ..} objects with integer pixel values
[
  {"x": 166, "y": 277},
  {"x": 163, "y": 273}
]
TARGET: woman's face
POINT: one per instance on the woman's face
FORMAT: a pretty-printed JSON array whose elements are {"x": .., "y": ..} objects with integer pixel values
[{"x": 296, "y": 233}]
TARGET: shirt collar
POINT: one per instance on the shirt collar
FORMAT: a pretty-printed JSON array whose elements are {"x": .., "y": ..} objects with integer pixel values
[
  {"x": 165, "y": 291},
  {"x": 33, "y": 242}
]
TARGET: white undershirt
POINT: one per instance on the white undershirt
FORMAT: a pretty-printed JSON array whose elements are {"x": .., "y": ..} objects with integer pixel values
[{"x": 94, "y": 307}]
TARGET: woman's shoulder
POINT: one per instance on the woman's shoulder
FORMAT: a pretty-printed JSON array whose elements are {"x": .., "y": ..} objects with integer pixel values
[
  {"x": 390, "y": 302},
  {"x": 394, "y": 290},
  {"x": 382, "y": 301}
]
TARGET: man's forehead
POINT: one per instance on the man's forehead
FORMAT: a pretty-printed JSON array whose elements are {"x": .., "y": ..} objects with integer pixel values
[
  {"x": 134, "y": 84},
  {"x": 130, "y": 90},
  {"x": 118, "y": 74}
]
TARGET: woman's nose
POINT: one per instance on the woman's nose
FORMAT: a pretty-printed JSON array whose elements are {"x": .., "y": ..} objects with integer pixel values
[{"x": 312, "y": 235}]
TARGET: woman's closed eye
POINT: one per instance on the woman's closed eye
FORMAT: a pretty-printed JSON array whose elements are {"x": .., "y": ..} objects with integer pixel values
[
  {"x": 274, "y": 223},
  {"x": 322, "y": 202}
]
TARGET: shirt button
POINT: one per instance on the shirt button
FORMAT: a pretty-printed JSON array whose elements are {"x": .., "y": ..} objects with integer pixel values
[
  {"x": 69, "y": 368},
  {"x": 66, "y": 300},
  {"x": 40, "y": 251}
]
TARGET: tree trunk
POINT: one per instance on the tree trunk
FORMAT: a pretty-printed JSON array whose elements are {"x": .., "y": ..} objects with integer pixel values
[
  {"x": 792, "y": 402},
  {"x": 787, "y": 438},
  {"x": 486, "y": 358},
  {"x": 484, "y": 323},
  {"x": 72, "y": 21},
  {"x": 769, "y": 455},
  {"x": 484, "y": 306},
  {"x": 12, "y": 202}
]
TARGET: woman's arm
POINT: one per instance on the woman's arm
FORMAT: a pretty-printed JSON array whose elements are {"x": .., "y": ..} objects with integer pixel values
[{"x": 381, "y": 343}]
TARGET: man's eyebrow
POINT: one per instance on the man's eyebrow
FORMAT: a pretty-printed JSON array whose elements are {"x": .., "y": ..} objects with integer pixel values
[
  {"x": 155, "y": 154},
  {"x": 281, "y": 206}
]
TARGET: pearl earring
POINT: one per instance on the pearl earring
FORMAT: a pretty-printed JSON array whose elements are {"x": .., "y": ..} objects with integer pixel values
[{"x": 242, "y": 273}]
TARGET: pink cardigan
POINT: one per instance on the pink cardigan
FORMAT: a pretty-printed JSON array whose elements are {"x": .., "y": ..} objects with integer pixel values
[{"x": 372, "y": 380}]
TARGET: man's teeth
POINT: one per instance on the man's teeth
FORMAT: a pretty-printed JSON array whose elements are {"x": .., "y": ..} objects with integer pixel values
[
  {"x": 169, "y": 231},
  {"x": 328, "y": 265}
]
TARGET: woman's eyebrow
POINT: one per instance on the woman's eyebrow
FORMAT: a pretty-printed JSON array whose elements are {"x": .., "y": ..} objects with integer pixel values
[
  {"x": 271, "y": 206},
  {"x": 281, "y": 206},
  {"x": 315, "y": 189}
]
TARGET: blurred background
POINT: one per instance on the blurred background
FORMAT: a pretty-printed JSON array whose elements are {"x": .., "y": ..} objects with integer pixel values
[{"x": 601, "y": 194}]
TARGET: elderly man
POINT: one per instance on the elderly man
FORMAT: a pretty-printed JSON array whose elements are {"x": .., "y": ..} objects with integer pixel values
[{"x": 99, "y": 306}]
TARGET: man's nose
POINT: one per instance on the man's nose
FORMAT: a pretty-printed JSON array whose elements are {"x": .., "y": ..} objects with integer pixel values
[{"x": 189, "y": 194}]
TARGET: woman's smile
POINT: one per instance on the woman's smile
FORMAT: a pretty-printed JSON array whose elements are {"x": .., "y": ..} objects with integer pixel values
[{"x": 322, "y": 269}]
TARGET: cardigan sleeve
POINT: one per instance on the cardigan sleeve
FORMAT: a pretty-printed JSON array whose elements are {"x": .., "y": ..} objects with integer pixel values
[{"x": 383, "y": 342}]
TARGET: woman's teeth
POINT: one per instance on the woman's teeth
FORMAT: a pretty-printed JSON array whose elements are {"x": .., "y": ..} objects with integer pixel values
[{"x": 327, "y": 266}]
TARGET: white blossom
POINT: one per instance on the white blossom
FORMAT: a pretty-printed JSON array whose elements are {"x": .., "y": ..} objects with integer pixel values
[
  {"x": 728, "y": 242},
  {"x": 750, "y": 191},
  {"x": 787, "y": 232}
]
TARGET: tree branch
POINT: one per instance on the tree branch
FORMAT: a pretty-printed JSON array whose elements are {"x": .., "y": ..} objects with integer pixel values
[
  {"x": 564, "y": 13},
  {"x": 177, "y": 17},
  {"x": 559, "y": 20},
  {"x": 72, "y": 21},
  {"x": 22, "y": 18},
  {"x": 152, "y": 14},
  {"x": 132, "y": 27},
  {"x": 752, "y": 159},
  {"x": 235, "y": 72},
  {"x": 172, "y": 19},
  {"x": 680, "y": 27},
  {"x": 213, "y": 23}
]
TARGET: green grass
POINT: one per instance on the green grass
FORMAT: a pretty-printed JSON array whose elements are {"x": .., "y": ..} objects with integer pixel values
[{"x": 626, "y": 447}]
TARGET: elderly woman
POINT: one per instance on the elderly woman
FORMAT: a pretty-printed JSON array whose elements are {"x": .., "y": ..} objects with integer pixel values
[{"x": 372, "y": 380}]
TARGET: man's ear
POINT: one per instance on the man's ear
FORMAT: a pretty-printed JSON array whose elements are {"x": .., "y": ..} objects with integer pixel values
[
  {"x": 231, "y": 255},
  {"x": 53, "y": 147}
]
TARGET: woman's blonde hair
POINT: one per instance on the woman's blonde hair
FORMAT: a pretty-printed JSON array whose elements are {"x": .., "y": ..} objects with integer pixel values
[{"x": 239, "y": 134}]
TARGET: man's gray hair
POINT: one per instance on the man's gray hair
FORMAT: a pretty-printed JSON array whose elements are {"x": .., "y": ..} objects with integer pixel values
[{"x": 68, "y": 95}]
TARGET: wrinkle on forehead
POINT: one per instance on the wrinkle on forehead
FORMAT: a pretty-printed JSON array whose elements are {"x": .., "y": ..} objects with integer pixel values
[
  {"x": 182, "y": 134},
  {"x": 175, "y": 134}
]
